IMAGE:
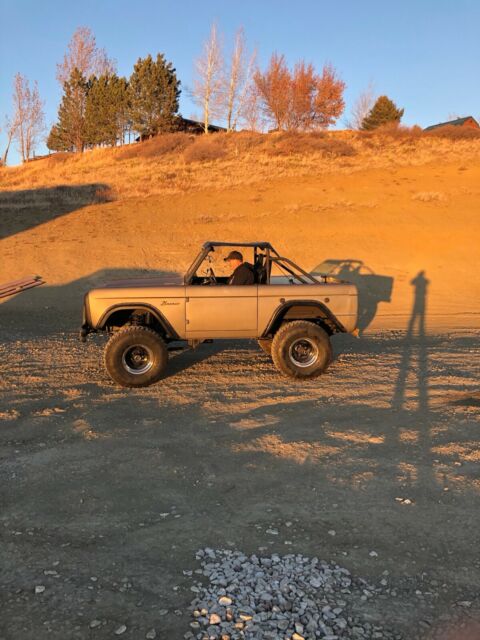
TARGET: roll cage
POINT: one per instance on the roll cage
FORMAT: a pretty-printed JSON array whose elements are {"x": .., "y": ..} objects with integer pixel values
[{"x": 264, "y": 256}]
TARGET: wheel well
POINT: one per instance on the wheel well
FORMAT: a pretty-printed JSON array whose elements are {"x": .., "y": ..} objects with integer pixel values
[
  {"x": 309, "y": 311},
  {"x": 137, "y": 317}
]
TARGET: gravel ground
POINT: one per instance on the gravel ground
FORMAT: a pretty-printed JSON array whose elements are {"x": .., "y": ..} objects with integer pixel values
[{"x": 107, "y": 495}]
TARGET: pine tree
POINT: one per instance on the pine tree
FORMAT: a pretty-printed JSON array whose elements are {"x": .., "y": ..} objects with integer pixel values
[
  {"x": 153, "y": 96},
  {"x": 55, "y": 141},
  {"x": 105, "y": 110},
  {"x": 383, "y": 111},
  {"x": 69, "y": 132}
]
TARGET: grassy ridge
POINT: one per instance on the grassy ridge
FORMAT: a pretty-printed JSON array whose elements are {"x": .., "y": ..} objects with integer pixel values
[{"x": 175, "y": 163}]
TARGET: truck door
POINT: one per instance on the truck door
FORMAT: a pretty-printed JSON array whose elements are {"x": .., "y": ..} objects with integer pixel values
[{"x": 221, "y": 311}]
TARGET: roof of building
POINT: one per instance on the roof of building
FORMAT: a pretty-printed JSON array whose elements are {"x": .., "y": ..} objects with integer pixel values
[
  {"x": 196, "y": 123},
  {"x": 458, "y": 122}
]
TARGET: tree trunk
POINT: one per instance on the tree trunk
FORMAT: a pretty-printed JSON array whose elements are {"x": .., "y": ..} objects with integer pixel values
[
  {"x": 205, "y": 117},
  {"x": 7, "y": 149}
]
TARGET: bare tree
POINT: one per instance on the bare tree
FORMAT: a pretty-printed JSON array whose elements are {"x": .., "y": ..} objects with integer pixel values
[
  {"x": 234, "y": 79},
  {"x": 361, "y": 107},
  {"x": 28, "y": 119},
  {"x": 10, "y": 129},
  {"x": 245, "y": 92},
  {"x": 208, "y": 83},
  {"x": 251, "y": 114},
  {"x": 238, "y": 81},
  {"x": 83, "y": 54}
]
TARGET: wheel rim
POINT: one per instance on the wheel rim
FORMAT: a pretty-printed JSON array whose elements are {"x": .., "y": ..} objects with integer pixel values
[
  {"x": 137, "y": 359},
  {"x": 303, "y": 352}
]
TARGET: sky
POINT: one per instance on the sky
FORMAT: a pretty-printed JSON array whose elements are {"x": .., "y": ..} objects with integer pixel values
[{"x": 423, "y": 54}]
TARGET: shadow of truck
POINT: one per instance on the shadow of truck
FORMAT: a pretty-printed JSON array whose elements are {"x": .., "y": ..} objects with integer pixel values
[{"x": 372, "y": 288}]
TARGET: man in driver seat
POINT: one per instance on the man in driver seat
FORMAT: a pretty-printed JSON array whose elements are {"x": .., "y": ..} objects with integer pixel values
[{"x": 242, "y": 271}]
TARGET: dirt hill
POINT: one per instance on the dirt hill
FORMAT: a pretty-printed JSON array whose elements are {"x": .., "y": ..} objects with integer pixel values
[{"x": 384, "y": 212}]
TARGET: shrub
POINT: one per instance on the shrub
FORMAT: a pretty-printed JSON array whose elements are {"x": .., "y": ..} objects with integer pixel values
[
  {"x": 104, "y": 193},
  {"x": 59, "y": 158},
  {"x": 307, "y": 143},
  {"x": 206, "y": 148},
  {"x": 160, "y": 145},
  {"x": 393, "y": 130},
  {"x": 244, "y": 141},
  {"x": 337, "y": 148}
]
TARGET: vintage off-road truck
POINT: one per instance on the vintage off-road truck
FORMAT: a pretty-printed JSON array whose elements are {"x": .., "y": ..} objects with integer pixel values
[{"x": 290, "y": 312}]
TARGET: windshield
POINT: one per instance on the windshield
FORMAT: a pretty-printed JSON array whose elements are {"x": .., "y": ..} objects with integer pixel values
[{"x": 216, "y": 260}]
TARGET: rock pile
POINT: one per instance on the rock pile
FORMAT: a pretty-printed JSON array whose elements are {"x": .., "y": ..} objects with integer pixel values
[{"x": 289, "y": 597}]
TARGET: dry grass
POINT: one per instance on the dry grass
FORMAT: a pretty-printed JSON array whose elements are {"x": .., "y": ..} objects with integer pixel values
[
  {"x": 286, "y": 144},
  {"x": 178, "y": 162},
  {"x": 453, "y": 132},
  {"x": 206, "y": 148},
  {"x": 394, "y": 131},
  {"x": 156, "y": 147},
  {"x": 429, "y": 196}
]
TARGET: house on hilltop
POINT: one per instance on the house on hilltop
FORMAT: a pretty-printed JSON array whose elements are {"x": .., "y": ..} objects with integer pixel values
[
  {"x": 193, "y": 126},
  {"x": 468, "y": 122},
  {"x": 187, "y": 126}
]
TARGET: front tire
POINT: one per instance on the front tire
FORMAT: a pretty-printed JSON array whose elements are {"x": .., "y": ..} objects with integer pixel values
[
  {"x": 136, "y": 357},
  {"x": 301, "y": 349}
]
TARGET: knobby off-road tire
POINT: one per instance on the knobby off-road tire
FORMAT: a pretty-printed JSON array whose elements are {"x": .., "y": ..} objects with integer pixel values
[
  {"x": 301, "y": 349},
  {"x": 136, "y": 357},
  {"x": 265, "y": 345}
]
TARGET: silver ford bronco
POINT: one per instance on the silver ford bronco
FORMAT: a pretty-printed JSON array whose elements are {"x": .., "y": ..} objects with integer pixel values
[{"x": 291, "y": 313}]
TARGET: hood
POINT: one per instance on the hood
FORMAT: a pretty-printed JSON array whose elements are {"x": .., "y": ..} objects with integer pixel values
[{"x": 145, "y": 282}]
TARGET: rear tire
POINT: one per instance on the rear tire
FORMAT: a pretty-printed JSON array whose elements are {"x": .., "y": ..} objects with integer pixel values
[
  {"x": 136, "y": 357},
  {"x": 265, "y": 345},
  {"x": 301, "y": 349}
]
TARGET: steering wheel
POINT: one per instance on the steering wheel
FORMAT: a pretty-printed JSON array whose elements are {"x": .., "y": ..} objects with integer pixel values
[{"x": 210, "y": 277}]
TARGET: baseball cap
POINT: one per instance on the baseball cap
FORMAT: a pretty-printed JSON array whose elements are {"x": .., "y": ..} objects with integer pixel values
[{"x": 234, "y": 255}]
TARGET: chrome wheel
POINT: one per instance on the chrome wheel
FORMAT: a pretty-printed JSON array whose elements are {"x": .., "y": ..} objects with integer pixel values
[
  {"x": 137, "y": 359},
  {"x": 303, "y": 352}
]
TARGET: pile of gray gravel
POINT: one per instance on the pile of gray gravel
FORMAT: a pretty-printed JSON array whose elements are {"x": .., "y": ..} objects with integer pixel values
[{"x": 288, "y": 597}]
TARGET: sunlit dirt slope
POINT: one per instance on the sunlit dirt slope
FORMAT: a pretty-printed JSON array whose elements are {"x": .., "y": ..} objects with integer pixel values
[{"x": 400, "y": 220}]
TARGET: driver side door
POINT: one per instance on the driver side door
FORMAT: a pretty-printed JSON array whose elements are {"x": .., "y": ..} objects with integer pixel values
[{"x": 221, "y": 311}]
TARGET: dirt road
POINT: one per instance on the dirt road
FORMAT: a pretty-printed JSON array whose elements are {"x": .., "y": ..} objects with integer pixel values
[{"x": 108, "y": 493}]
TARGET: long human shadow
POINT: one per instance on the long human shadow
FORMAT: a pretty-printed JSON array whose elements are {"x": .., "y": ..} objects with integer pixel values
[
  {"x": 28, "y": 208},
  {"x": 415, "y": 350},
  {"x": 415, "y": 345},
  {"x": 372, "y": 288}
]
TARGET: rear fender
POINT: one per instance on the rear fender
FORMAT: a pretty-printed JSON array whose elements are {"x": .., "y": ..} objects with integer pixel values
[{"x": 304, "y": 310}]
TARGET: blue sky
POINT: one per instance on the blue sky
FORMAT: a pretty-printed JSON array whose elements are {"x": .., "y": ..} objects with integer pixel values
[{"x": 424, "y": 54}]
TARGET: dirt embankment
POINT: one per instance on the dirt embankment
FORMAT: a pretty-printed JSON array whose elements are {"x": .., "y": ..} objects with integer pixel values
[{"x": 401, "y": 234}]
